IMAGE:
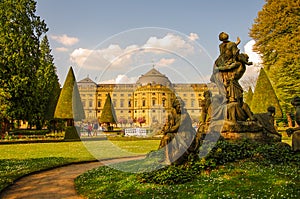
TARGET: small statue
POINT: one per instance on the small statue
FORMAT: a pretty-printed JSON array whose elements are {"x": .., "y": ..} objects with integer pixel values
[
  {"x": 266, "y": 120},
  {"x": 179, "y": 137},
  {"x": 295, "y": 132}
]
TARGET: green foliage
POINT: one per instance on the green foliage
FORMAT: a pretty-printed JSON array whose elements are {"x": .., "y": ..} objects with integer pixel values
[
  {"x": 242, "y": 179},
  {"x": 264, "y": 96},
  {"x": 29, "y": 132},
  {"x": 276, "y": 32},
  {"x": 72, "y": 133},
  {"x": 20, "y": 31},
  {"x": 221, "y": 153},
  {"x": 248, "y": 97},
  {"x": 48, "y": 84},
  {"x": 108, "y": 114},
  {"x": 69, "y": 105}
]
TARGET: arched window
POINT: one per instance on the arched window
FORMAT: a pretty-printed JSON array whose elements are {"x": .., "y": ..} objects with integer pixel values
[
  {"x": 164, "y": 102},
  {"x": 144, "y": 102},
  {"x": 153, "y": 101}
]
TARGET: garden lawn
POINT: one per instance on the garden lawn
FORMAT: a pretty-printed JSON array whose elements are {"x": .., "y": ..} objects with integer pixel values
[
  {"x": 243, "y": 179},
  {"x": 17, "y": 160}
]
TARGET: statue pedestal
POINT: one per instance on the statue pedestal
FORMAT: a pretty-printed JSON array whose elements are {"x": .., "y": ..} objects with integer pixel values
[{"x": 240, "y": 130}]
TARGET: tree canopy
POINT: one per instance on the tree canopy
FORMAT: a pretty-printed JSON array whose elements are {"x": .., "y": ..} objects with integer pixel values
[
  {"x": 264, "y": 96},
  {"x": 276, "y": 31},
  {"x": 20, "y": 31},
  {"x": 29, "y": 86}
]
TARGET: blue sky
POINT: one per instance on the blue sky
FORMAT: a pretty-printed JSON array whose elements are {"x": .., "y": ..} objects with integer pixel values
[{"x": 82, "y": 31}]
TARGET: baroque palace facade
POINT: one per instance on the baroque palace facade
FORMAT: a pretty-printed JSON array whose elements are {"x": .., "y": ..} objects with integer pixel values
[{"x": 150, "y": 98}]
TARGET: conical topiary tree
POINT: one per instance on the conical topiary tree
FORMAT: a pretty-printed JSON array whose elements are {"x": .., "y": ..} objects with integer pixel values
[
  {"x": 264, "y": 96},
  {"x": 108, "y": 114},
  {"x": 248, "y": 96},
  {"x": 69, "y": 106}
]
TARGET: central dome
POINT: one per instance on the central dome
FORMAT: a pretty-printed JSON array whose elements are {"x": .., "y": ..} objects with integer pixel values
[{"x": 154, "y": 77}]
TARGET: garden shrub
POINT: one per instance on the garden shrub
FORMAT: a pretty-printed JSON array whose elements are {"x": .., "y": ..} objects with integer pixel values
[
  {"x": 71, "y": 133},
  {"x": 29, "y": 132},
  {"x": 220, "y": 153}
]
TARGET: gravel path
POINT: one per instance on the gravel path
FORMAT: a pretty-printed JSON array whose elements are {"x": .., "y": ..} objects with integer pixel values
[{"x": 55, "y": 183}]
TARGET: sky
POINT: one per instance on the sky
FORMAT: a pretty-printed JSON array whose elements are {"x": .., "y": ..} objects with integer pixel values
[{"x": 114, "y": 41}]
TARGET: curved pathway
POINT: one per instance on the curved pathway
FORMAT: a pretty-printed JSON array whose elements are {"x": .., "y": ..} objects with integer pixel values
[{"x": 55, "y": 183}]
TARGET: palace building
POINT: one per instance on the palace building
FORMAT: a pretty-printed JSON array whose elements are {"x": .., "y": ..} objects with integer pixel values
[{"x": 149, "y": 98}]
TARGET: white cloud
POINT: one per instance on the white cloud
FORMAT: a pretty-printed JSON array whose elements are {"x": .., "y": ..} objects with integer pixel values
[
  {"x": 165, "y": 62},
  {"x": 118, "y": 57},
  {"x": 65, "y": 39},
  {"x": 252, "y": 72},
  {"x": 113, "y": 55},
  {"x": 61, "y": 49},
  {"x": 253, "y": 56},
  {"x": 121, "y": 79},
  {"x": 193, "y": 36},
  {"x": 170, "y": 42},
  {"x": 80, "y": 55}
]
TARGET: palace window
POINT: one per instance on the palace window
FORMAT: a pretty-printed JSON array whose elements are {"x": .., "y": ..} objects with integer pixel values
[
  {"x": 192, "y": 103},
  {"x": 153, "y": 102},
  {"x": 144, "y": 102},
  {"x": 122, "y": 103},
  {"x": 99, "y": 103},
  {"x": 164, "y": 102}
]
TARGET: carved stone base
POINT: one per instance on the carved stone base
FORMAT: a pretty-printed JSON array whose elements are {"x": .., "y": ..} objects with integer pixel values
[{"x": 243, "y": 130}]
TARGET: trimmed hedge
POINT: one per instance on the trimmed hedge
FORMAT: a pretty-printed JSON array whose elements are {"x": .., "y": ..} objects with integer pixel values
[
  {"x": 29, "y": 132},
  {"x": 72, "y": 133}
]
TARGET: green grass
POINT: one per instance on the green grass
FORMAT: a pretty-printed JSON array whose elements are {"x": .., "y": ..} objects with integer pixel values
[
  {"x": 17, "y": 160},
  {"x": 243, "y": 179},
  {"x": 231, "y": 170}
]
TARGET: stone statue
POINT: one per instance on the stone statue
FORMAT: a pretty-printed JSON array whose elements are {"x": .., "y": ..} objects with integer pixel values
[
  {"x": 229, "y": 67},
  {"x": 167, "y": 134},
  {"x": 266, "y": 120},
  {"x": 179, "y": 137},
  {"x": 295, "y": 132},
  {"x": 230, "y": 115}
]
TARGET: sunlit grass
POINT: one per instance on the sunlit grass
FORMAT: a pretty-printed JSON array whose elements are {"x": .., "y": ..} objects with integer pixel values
[
  {"x": 19, "y": 159},
  {"x": 244, "y": 179}
]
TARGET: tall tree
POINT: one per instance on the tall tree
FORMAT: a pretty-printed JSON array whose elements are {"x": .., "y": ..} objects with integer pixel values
[
  {"x": 265, "y": 96},
  {"x": 277, "y": 35},
  {"x": 20, "y": 31},
  {"x": 48, "y": 87}
]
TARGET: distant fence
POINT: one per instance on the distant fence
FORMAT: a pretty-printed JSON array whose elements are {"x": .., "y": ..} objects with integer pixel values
[{"x": 138, "y": 132}]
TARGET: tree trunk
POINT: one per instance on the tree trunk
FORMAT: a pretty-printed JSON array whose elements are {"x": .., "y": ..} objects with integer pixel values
[
  {"x": 70, "y": 122},
  {"x": 4, "y": 126}
]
